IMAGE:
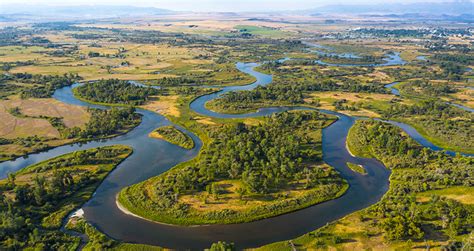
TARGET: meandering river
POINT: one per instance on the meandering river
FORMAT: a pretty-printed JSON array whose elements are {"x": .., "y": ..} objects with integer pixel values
[{"x": 152, "y": 157}]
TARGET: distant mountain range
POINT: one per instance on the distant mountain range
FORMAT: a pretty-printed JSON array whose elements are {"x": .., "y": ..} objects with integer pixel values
[
  {"x": 81, "y": 11},
  {"x": 443, "y": 8},
  {"x": 460, "y": 10}
]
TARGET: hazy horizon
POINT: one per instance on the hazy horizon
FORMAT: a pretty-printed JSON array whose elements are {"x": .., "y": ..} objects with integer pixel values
[{"x": 217, "y": 5}]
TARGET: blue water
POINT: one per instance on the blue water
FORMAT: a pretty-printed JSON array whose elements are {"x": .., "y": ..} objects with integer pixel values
[
  {"x": 393, "y": 90},
  {"x": 421, "y": 58},
  {"x": 390, "y": 59}
]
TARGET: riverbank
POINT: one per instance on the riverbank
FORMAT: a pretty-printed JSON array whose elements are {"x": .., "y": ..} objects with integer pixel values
[
  {"x": 235, "y": 202},
  {"x": 151, "y": 158},
  {"x": 409, "y": 171},
  {"x": 60, "y": 185}
]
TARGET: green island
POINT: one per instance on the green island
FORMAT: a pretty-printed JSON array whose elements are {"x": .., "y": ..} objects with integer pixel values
[
  {"x": 356, "y": 168},
  {"x": 174, "y": 136},
  {"x": 245, "y": 173},
  {"x": 36, "y": 199},
  {"x": 429, "y": 201}
]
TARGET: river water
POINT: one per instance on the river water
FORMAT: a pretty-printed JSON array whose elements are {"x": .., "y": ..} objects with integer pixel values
[{"x": 152, "y": 157}]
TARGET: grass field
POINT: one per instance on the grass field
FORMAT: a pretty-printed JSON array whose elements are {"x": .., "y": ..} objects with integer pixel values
[
  {"x": 464, "y": 195},
  {"x": 32, "y": 131},
  {"x": 259, "y": 30},
  {"x": 357, "y": 99},
  {"x": 127, "y": 61}
]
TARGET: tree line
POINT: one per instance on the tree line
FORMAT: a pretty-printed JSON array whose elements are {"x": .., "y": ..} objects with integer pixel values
[
  {"x": 439, "y": 119},
  {"x": 415, "y": 169},
  {"x": 116, "y": 92},
  {"x": 34, "y": 201},
  {"x": 40, "y": 86},
  {"x": 104, "y": 123},
  {"x": 286, "y": 93}
]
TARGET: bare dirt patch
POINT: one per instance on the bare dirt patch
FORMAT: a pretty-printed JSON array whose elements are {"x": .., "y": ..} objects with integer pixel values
[
  {"x": 12, "y": 127},
  {"x": 166, "y": 105}
]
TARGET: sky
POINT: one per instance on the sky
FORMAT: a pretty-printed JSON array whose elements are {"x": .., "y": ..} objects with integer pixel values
[{"x": 213, "y": 5}]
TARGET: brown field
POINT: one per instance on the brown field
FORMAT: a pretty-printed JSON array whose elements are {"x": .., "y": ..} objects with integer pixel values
[
  {"x": 466, "y": 97},
  {"x": 463, "y": 195},
  {"x": 376, "y": 76},
  {"x": 205, "y": 120},
  {"x": 327, "y": 98},
  {"x": 230, "y": 199},
  {"x": 353, "y": 97},
  {"x": 13, "y": 127},
  {"x": 72, "y": 115},
  {"x": 144, "y": 61},
  {"x": 166, "y": 105}
]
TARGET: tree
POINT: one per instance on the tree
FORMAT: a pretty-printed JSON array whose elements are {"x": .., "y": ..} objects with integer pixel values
[
  {"x": 23, "y": 194},
  {"x": 222, "y": 246},
  {"x": 241, "y": 192}
]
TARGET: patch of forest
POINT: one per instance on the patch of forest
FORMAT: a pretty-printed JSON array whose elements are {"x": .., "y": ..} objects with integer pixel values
[
  {"x": 415, "y": 169},
  {"x": 34, "y": 85},
  {"x": 263, "y": 161},
  {"x": 174, "y": 136},
  {"x": 115, "y": 91},
  {"x": 284, "y": 92},
  {"x": 105, "y": 123},
  {"x": 441, "y": 123},
  {"x": 35, "y": 200},
  {"x": 412, "y": 214}
]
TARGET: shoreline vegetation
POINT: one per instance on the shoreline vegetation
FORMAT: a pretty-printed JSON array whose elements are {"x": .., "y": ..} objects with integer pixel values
[
  {"x": 434, "y": 211},
  {"x": 341, "y": 192},
  {"x": 94, "y": 130},
  {"x": 202, "y": 205},
  {"x": 357, "y": 168},
  {"x": 435, "y": 140},
  {"x": 38, "y": 197},
  {"x": 174, "y": 136},
  {"x": 115, "y": 91}
]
